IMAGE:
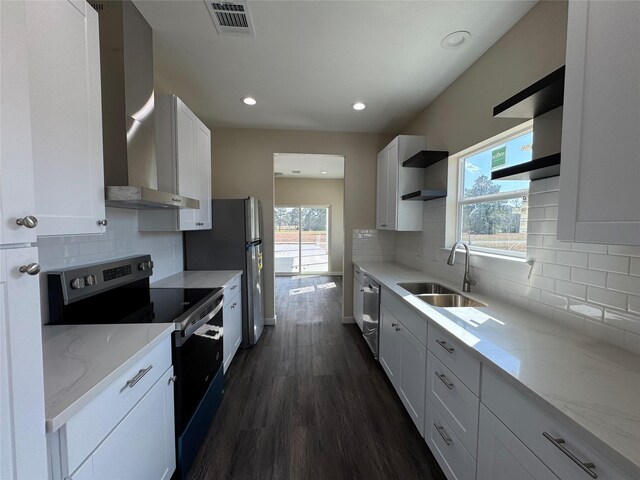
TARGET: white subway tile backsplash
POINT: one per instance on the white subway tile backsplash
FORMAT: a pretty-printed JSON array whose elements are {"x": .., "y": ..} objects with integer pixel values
[
  {"x": 609, "y": 263},
  {"x": 624, "y": 283},
  {"x": 591, "y": 288},
  {"x": 559, "y": 272},
  {"x": 588, "y": 277},
  {"x": 607, "y": 297},
  {"x": 571, "y": 289},
  {"x": 572, "y": 259}
]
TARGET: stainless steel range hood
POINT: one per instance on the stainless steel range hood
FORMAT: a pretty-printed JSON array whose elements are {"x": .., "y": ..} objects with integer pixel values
[{"x": 128, "y": 126}]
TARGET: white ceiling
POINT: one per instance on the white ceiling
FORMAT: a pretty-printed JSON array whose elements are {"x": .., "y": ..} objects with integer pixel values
[
  {"x": 310, "y": 166},
  {"x": 311, "y": 59}
]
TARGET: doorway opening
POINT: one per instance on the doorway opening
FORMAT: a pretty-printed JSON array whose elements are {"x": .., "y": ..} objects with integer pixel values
[{"x": 301, "y": 239}]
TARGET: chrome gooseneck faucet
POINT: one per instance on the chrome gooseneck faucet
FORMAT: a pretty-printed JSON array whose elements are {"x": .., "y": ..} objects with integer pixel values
[{"x": 468, "y": 281}]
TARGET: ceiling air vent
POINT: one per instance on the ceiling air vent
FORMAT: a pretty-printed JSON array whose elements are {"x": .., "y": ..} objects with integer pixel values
[{"x": 231, "y": 18}]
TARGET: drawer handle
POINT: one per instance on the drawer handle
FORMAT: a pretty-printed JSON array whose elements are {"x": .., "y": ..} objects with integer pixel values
[
  {"x": 233, "y": 288},
  {"x": 443, "y": 434},
  {"x": 394, "y": 324},
  {"x": 587, "y": 467},
  {"x": 234, "y": 305},
  {"x": 398, "y": 329},
  {"x": 444, "y": 380},
  {"x": 138, "y": 376},
  {"x": 444, "y": 345}
]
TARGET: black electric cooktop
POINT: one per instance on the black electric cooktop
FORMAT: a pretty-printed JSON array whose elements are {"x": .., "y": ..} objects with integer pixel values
[{"x": 135, "y": 305}]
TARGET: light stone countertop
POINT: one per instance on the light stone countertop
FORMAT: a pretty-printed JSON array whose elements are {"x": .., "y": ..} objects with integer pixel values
[
  {"x": 593, "y": 384},
  {"x": 198, "y": 279},
  {"x": 80, "y": 361}
]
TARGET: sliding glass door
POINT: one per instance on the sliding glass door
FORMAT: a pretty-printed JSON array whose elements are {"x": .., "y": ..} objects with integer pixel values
[{"x": 301, "y": 239}]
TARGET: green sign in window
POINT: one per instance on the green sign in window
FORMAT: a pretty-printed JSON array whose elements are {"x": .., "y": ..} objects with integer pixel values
[{"x": 498, "y": 157}]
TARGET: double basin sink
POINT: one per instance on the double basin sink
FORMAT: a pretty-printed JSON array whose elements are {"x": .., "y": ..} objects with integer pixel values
[{"x": 438, "y": 295}]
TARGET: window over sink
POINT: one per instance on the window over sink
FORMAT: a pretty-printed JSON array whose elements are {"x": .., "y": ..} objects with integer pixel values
[{"x": 492, "y": 214}]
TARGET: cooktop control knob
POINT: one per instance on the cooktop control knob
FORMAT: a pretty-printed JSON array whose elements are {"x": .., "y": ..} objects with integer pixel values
[
  {"x": 90, "y": 280},
  {"x": 145, "y": 265},
  {"x": 77, "y": 283}
]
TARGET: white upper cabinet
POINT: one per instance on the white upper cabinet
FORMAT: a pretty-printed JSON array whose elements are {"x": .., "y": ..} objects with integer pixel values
[
  {"x": 66, "y": 117},
  {"x": 183, "y": 146},
  {"x": 600, "y": 173},
  {"x": 393, "y": 213},
  {"x": 16, "y": 180}
]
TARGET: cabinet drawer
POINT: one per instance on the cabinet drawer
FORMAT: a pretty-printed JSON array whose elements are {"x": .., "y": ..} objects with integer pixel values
[
  {"x": 451, "y": 353},
  {"x": 411, "y": 320},
  {"x": 85, "y": 430},
  {"x": 232, "y": 289},
  {"x": 455, "y": 402},
  {"x": 529, "y": 423},
  {"x": 358, "y": 274},
  {"x": 452, "y": 456}
]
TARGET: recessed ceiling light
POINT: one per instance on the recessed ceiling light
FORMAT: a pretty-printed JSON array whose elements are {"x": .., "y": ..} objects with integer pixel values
[
  {"x": 455, "y": 40},
  {"x": 324, "y": 173},
  {"x": 249, "y": 101},
  {"x": 358, "y": 106}
]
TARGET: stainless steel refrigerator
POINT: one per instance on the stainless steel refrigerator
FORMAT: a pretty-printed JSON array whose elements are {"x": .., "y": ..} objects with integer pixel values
[{"x": 234, "y": 243}]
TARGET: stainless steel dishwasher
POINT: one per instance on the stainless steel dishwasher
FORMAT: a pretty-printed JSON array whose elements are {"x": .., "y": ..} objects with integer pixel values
[{"x": 371, "y": 313}]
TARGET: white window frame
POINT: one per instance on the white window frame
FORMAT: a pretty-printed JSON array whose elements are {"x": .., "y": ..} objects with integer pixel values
[{"x": 495, "y": 141}]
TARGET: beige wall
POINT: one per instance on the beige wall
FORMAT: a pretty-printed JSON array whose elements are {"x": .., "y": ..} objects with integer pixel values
[
  {"x": 461, "y": 116},
  {"x": 243, "y": 165},
  {"x": 310, "y": 191}
]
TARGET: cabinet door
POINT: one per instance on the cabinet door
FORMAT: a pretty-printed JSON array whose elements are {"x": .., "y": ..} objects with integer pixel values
[
  {"x": 22, "y": 437},
  {"x": 186, "y": 133},
  {"x": 389, "y": 345},
  {"x": 203, "y": 174},
  {"x": 392, "y": 186},
  {"x": 232, "y": 334},
  {"x": 143, "y": 444},
  {"x": 66, "y": 116},
  {"x": 357, "y": 302},
  {"x": 16, "y": 181},
  {"x": 502, "y": 456},
  {"x": 381, "y": 192},
  {"x": 601, "y": 125},
  {"x": 413, "y": 368}
]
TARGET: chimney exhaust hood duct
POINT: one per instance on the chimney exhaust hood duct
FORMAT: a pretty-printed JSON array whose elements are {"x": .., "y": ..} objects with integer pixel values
[{"x": 128, "y": 125}]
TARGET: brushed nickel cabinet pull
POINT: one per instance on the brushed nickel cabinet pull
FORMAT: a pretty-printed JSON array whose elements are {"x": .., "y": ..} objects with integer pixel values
[
  {"x": 587, "y": 467},
  {"x": 444, "y": 345},
  {"x": 31, "y": 269},
  {"x": 28, "y": 222},
  {"x": 444, "y": 380},
  {"x": 138, "y": 376},
  {"x": 442, "y": 432}
]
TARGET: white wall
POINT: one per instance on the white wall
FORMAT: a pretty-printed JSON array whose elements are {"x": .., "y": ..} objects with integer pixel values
[
  {"x": 122, "y": 239},
  {"x": 594, "y": 289}
]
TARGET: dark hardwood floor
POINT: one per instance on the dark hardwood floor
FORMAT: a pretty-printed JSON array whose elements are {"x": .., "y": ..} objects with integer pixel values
[{"x": 310, "y": 402}]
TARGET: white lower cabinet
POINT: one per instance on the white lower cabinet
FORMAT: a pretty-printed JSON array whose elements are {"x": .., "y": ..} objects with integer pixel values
[
  {"x": 501, "y": 456},
  {"x": 127, "y": 431},
  {"x": 142, "y": 445},
  {"x": 403, "y": 358},
  {"x": 389, "y": 345},
  {"x": 451, "y": 454},
  {"x": 232, "y": 321}
]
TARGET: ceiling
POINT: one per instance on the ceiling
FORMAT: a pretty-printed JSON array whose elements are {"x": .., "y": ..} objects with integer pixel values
[
  {"x": 311, "y": 59},
  {"x": 309, "y": 165}
]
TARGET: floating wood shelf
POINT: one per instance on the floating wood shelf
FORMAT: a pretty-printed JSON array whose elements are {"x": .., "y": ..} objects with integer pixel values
[
  {"x": 425, "y": 158},
  {"x": 544, "y": 167},
  {"x": 424, "y": 195},
  {"x": 544, "y": 95}
]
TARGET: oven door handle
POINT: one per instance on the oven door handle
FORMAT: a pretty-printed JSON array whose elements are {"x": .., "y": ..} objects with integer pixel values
[{"x": 192, "y": 327}]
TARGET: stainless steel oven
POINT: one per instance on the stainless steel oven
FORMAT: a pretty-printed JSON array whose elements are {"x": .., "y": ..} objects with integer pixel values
[{"x": 118, "y": 292}]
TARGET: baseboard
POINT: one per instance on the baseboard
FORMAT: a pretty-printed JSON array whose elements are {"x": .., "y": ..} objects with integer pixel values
[
  {"x": 348, "y": 320},
  {"x": 271, "y": 321}
]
